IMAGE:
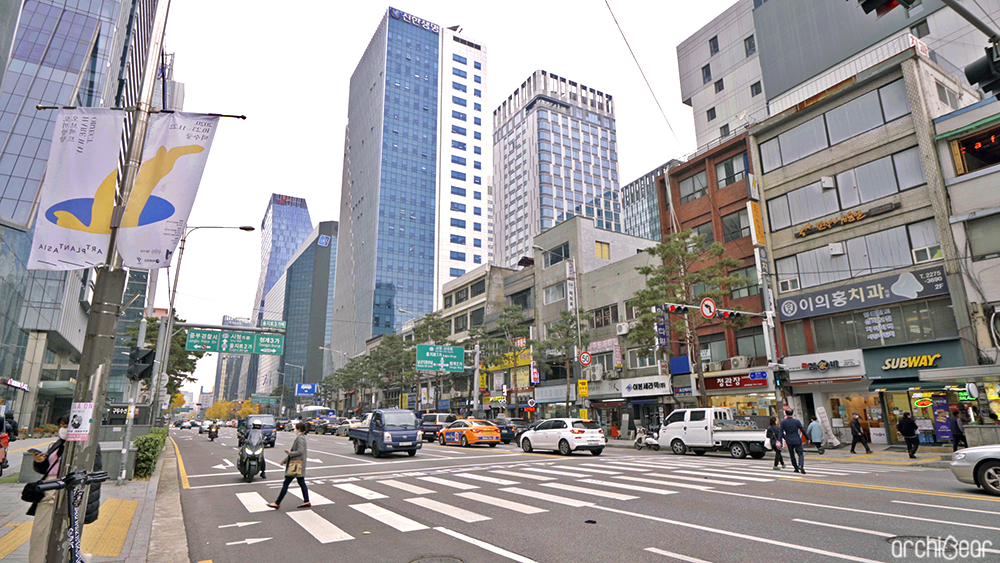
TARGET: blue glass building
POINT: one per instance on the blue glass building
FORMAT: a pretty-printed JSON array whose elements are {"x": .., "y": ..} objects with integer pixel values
[{"x": 641, "y": 204}]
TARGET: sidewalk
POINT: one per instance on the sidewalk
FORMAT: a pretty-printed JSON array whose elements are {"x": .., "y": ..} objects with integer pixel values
[{"x": 120, "y": 534}]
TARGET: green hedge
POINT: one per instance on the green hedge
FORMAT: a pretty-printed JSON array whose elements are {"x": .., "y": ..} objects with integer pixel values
[{"x": 148, "y": 450}]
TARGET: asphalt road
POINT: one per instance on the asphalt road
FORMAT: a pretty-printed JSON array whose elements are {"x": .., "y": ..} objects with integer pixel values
[{"x": 499, "y": 504}]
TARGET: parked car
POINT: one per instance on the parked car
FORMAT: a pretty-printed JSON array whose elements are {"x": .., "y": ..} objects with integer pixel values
[
  {"x": 709, "y": 430},
  {"x": 979, "y": 466},
  {"x": 509, "y": 427},
  {"x": 565, "y": 435},
  {"x": 385, "y": 431},
  {"x": 470, "y": 431},
  {"x": 432, "y": 423}
]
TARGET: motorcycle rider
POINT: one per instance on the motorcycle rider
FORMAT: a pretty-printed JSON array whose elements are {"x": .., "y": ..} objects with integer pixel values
[
  {"x": 213, "y": 427},
  {"x": 256, "y": 436}
]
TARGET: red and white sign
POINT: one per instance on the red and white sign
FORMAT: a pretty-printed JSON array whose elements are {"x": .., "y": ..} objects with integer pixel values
[
  {"x": 585, "y": 358},
  {"x": 708, "y": 308},
  {"x": 734, "y": 382},
  {"x": 16, "y": 384}
]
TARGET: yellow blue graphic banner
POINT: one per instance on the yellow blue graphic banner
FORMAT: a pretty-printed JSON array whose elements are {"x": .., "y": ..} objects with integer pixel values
[
  {"x": 73, "y": 227},
  {"x": 173, "y": 161}
]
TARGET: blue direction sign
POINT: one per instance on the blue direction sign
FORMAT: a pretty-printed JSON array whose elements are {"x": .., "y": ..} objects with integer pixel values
[{"x": 305, "y": 389}]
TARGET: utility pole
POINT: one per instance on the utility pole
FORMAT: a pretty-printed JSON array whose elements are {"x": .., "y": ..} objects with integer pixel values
[
  {"x": 102, "y": 324},
  {"x": 133, "y": 389}
]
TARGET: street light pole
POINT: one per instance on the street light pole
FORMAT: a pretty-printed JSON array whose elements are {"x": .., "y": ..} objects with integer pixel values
[{"x": 579, "y": 337}]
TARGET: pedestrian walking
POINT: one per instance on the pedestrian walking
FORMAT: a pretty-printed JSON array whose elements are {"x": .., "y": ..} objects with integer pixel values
[
  {"x": 957, "y": 431},
  {"x": 815, "y": 433},
  {"x": 774, "y": 435},
  {"x": 858, "y": 435},
  {"x": 791, "y": 433},
  {"x": 295, "y": 468},
  {"x": 907, "y": 428}
]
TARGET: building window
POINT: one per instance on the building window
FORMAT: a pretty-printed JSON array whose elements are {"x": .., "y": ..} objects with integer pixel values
[
  {"x": 705, "y": 229},
  {"x": 710, "y": 114},
  {"x": 461, "y": 324},
  {"x": 693, "y": 187},
  {"x": 459, "y": 58},
  {"x": 731, "y": 170},
  {"x": 457, "y": 145},
  {"x": 719, "y": 85},
  {"x": 713, "y": 46},
  {"x": 455, "y": 159},
  {"x": 640, "y": 358},
  {"x": 713, "y": 347},
  {"x": 460, "y": 223},
  {"x": 946, "y": 95},
  {"x": 457, "y": 239},
  {"x": 983, "y": 240},
  {"x": 447, "y": 301},
  {"x": 735, "y": 226},
  {"x": 478, "y": 79},
  {"x": 724, "y": 131},
  {"x": 706, "y": 74},
  {"x": 457, "y": 191},
  {"x": 456, "y": 272},
  {"x": 477, "y": 210},
  {"x": 750, "y": 342},
  {"x": 458, "y": 115},
  {"x": 521, "y": 299},
  {"x": 924, "y": 241},
  {"x": 788, "y": 274},
  {"x": 555, "y": 293},
  {"x": 456, "y": 175},
  {"x": 477, "y": 226},
  {"x": 459, "y": 72},
  {"x": 755, "y": 89},
  {"x": 461, "y": 296},
  {"x": 750, "y": 45},
  {"x": 478, "y": 243},
  {"x": 921, "y": 29},
  {"x": 455, "y": 206},
  {"x": 478, "y": 288},
  {"x": 459, "y": 86},
  {"x": 604, "y": 316},
  {"x": 458, "y": 256},
  {"x": 795, "y": 337},
  {"x": 603, "y": 250},
  {"x": 477, "y": 317},
  {"x": 976, "y": 151},
  {"x": 753, "y": 285},
  {"x": 477, "y": 65},
  {"x": 477, "y": 92},
  {"x": 557, "y": 255},
  {"x": 458, "y": 130}
]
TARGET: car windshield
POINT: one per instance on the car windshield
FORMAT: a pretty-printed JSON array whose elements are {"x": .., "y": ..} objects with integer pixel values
[
  {"x": 263, "y": 420},
  {"x": 587, "y": 424},
  {"x": 482, "y": 423},
  {"x": 402, "y": 419}
]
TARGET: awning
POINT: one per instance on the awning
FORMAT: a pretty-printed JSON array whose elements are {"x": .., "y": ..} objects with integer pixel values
[
  {"x": 968, "y": 373},
  {"x": 904, "y": 385}
]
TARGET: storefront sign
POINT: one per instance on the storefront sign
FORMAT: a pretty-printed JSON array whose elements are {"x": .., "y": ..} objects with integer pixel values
[
  {"x": 846, "y": 365},
  {"x": 534, "y": 373},
  {"x": 16, "y": 384},
  {"x": 581, "y": 388},
  {"x": 498, "y": 377},
  {"x": 522, "y": 377},
  {"x": 682, "y": 391},
  {"x": 646, "y": 386},
  {"x": 553, "y": 394},
  {"x": 924, "y": 361},
  {"x": 752, "y": 379},
  {"x": 940, "y": 404},
  {"x": 846, "y": 219},
  {"x": 605, "y": 387},
  {"x": 411, "y": 19},
  {"x": 880, "y": 291},
  {"x": 607, "y": 345},
  {"x": 896, "y": 362},
  {"x": 923, "y": 403}
]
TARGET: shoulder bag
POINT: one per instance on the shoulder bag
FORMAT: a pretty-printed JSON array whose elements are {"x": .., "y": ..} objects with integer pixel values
[{"x": 294, "y": 468}]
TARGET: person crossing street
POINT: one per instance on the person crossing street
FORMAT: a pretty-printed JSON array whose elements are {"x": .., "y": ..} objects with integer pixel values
[
  {"x": 295, "y": 468},
  {"x": 792, "y": 431}
]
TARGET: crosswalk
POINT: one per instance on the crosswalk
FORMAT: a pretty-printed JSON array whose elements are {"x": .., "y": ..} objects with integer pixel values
[{"x": 423, "y": 500}]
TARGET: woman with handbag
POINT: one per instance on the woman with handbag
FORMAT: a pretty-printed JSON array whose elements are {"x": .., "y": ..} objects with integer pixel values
[
  {"x": 295, "y": 468},
  {"x": 774, "y": 434}
]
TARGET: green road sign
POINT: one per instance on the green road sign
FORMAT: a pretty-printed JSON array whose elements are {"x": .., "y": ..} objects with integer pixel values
[
  {"x": 272, "y": 324},
  {"x": 273, "y": 344},
  {"x": 431, "y": 357},
  {"x": 264, "y": 400},
  {"x": 237, "y": 342},
  {"x": 201, "y": 340}
]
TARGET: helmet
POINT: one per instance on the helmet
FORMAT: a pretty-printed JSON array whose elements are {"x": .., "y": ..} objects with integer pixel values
[{"x": 256, "y": 424}]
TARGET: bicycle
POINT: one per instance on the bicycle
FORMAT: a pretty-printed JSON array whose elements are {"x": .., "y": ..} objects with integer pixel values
[{"x": 74, "y": 482}]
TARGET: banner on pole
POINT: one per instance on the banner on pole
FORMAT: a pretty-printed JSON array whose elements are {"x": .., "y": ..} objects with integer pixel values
[
  {"x": 73, "y": 227},
  {"x": 173, "y": 161}
]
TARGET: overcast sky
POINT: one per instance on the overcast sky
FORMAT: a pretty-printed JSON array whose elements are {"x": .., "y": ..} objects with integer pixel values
[{"x": 287, "y": 67}]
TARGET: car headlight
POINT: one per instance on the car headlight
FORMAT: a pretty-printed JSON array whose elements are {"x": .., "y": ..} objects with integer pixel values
[
  {"x": 387, "y": 437},
  {"x": 958, "y": 456}
]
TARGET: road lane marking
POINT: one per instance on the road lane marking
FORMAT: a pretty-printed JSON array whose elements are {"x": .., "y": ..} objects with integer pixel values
[
  {"x": 556, "y": 472},
  {"x": 632, "y": 478},
  {"x": 253, "y": 502},
  {"x": 488, "y": 547},
  {"x": 508, "y": 504},
  {"x": 726, "y": 475},
  {"x": 354, "y": 457},
  {"x": 239, "y": 525},
  {"x": 899, "y": 490},
  {"x": 360, "y": 491},
  {"x": 620, "y": 468},
  {"x": 415, "y": 489},
  {"x": 858, "y": 510},
  {"x": 696, "y": 479},
  {"x": 318, "y": 527},
  {"x": 782, "y": 474},
  {"x": 448, "y": 510},
  {"x": 180, "y": 466},
  {"x": 522, "y": 475},
  {"x": 588, "y": 491},
  {"x": 677, "y": 556},
  {"x": 848, "y": 528},
  {"x": 249, "y": 541},
  {"x": 737, "y": 535},
  {"x": 494, "y": 480},
  {"x": 628, "y": 486},
  {"x": 315, "y": 499},
  {"x": 387, "y": 517},
  {"x": 383, "y": 463},
  {"x": 545, "y": 496},
  {"x": 447, "y": 483},
  {"x": 990, "y": 512}
]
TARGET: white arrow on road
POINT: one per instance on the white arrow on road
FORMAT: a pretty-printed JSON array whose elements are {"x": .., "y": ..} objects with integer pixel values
[
  {"x": 224, "y": 465},
  {"x": 248, "y": 541},
  {"x": 239, "y": 525}
]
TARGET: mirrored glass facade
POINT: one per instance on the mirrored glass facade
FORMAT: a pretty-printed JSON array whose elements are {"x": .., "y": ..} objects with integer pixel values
[{"x": 641, "y": 206}]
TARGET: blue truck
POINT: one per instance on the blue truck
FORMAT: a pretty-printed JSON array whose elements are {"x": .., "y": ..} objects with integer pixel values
[{"x": 385, "y": 431}]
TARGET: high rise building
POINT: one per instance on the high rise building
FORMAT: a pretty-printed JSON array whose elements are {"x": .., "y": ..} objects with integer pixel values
[
  {"x": 231, "y": 369},
  {"x": 415, "y": 208},
  {"x": 641, "y": 204},
  {"x": 554, "y": 156},
  {"x": 286, "y": 224}
]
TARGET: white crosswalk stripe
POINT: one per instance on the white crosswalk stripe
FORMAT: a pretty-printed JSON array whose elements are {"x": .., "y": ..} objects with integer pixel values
[
  {"x": 447, "y": 509},
  {"x": 318, "y": 527},
  {"x": 486, "y": 479},
  {"x": 508, "y": 504},
  {"x": 705, "y": 480},
  {"x": 362, "y": 492},
  {"x": 545, "y": 496},
  {"x": 315, "y": 499},
  {"x": 253, "y": 502},
  {"x": 387, "y": 517},
  {"x": 589, "y": 468},
  {"x": 523, "y": 475},
  {"x": 587, "y": 491},
  {"x": 632, "y": 478},
  {"x": 415, "y": 489},
  {"x": 556, "y": 472},
  {"x": 620, "y": 468},
  {"x": 720, "y": 474},
  {"x": 447, "y": 483},
  {"x": 629, "y": 486}
]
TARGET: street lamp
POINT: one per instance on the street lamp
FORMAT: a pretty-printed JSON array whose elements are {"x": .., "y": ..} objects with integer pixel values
[
  {"x": 576, "y": 299},
  {"x": 169, "y": 328}
]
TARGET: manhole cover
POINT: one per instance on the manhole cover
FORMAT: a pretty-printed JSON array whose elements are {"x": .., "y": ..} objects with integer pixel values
[
  {"x": 443, "y": 559},
  {"x": 938, "y": 547}
]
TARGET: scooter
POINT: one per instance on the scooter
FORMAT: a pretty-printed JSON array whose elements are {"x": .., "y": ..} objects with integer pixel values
[
  {"x": 251, "y": 458},
  {"x": 644, "y": 439},
  {"x": 213, "y": 433}
]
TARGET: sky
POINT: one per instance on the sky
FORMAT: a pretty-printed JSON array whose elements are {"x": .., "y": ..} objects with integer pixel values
[{"x": 288, "y": 71}]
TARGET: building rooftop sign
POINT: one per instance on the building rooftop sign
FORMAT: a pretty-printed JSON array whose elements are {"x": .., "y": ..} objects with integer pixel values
[{"x": 410, "y": 18}]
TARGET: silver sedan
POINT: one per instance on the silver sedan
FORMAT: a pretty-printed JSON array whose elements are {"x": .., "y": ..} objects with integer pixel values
[{"x": 978, "y": 466}]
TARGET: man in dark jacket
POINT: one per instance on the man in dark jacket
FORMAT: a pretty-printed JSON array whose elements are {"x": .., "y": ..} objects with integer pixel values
[
  {"x": 907, "y": 428},
  {"x": 957, "y": 431},
  {"x": 858, "y": 435},
  {"x": 792, "y": 430}
]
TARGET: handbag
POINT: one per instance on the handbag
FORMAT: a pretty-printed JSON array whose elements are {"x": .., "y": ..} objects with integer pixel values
[
  {"x": 31, "y": 493},
  {"x": 294, "y": 468}
]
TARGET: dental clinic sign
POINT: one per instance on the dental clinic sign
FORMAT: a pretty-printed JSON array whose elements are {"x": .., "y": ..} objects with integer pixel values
[{"x": 414, "y": 20}]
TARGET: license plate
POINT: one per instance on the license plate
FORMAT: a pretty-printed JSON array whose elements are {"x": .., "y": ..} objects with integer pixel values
[
  {"x": 593, "y": 442},
  {"x": 406, "y": 443}
]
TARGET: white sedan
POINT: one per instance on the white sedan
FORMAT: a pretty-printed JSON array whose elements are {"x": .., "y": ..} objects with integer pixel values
[{"x": 565, "y": 435}]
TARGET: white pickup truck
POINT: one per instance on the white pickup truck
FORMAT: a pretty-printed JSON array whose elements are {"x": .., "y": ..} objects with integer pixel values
[{"x": 709, "y": 430}]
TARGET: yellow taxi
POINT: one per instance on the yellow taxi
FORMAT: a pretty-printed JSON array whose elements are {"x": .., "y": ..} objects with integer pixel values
[{"x": 470, "y": 431}]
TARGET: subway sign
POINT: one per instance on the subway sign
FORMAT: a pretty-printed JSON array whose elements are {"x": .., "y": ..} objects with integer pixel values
[{"x": 923, "y": 361}]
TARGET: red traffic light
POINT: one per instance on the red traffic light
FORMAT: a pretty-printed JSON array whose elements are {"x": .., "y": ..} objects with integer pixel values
[
  {"x": 677, "y": 309},
  {"x": 727, "y": 315}
]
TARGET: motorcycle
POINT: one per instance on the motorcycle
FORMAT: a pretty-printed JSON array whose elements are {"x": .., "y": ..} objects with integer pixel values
[
  {"x": 251, "y": 456},
  {"x": 213, "y": 433},
  {"x": 645, "y": 439}
]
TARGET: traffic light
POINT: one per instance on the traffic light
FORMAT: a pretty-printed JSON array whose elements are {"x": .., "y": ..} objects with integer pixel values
[
  {"x": 883, "y": 7},
  {"x": 728, "y": 314},
  {"x": 676, "y": 309},
  {"x": 986, "y": 71},
  {"x": 140, "y": 364}
]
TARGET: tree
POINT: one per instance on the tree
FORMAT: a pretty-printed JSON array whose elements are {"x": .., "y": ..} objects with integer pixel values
[
  {"x": 433, "y": 329},
  {"x": 220, "y": 410},
  {"x": 176, "y": 401},
  {"x": 390, "y": 362},
  {"x": 180, "y": 364},
  {"x": 498, "y": 345},
  {"x": 247, "y": 409},
  {"x": 564, "y": 336},
  {"x": 327, "y": 390},
  {"x": 688, "y": 270}
]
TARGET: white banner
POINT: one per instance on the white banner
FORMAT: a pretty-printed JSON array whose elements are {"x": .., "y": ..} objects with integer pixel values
[
  {"x": 73, "y": 226},
  {"x": 173, "y": 161}
]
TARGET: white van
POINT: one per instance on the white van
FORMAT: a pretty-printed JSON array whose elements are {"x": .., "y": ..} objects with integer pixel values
[{"x": 710, "y": 429}]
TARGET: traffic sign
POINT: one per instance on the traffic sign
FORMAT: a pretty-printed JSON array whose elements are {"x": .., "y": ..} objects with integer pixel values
[
  {"x": 237, "y": 342},
  {"x": 265, "y": 323},
  {"x": 585, "y": 358},
  {"x": 708, "y": 308},
  {"x": 431, "y": 357},
  {"x": 200, "y": 340},
  {"x": 531, "y": 402},
  {"x": 305, "y": 389},
  {"x": 255, "y": 400},
  {"x": 582, "y": 389},
  {"x": 273, "y": 344}
]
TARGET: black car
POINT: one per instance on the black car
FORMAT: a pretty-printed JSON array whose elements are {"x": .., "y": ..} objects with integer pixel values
[
  {"x": 520, "y": 431},
  {"x": 330, "y": 426},
  {"x": 509, "y": 428}
]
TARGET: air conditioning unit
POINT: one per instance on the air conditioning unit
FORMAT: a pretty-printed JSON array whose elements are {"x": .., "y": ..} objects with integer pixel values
[
  {"x": 632, "y": 325},
  {"x": 713, "y": 366},
  {"x": 827, "y": 183},
  {"x": 739, "y": 362},
  {"x": 836, "y": 249},
  {"x": 621, "y": 329},
  {"x": 614, "y": 373},
  {"x": 596, "y": 372}
]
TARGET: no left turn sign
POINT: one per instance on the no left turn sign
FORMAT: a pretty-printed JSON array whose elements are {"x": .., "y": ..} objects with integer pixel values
[
  {"x": 585, "y": 358},
  {"x": 708, "y": 308}
]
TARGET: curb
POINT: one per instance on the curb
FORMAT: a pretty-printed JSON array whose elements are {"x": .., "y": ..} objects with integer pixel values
[
  {"x": 139, "y": 545},
  {"x": 168, "y": 541}
]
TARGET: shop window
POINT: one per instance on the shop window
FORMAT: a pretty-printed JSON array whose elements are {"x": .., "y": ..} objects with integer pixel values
[
  {"x": 983, "y": 240},
  {"x": 795, "y": 337},
  {"x": 604, "y": 316},
  {"x": 750, "y": 342},
  {"x": 640, "y": 358}
]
